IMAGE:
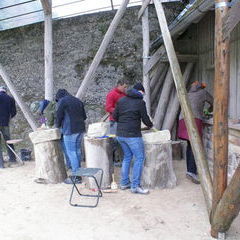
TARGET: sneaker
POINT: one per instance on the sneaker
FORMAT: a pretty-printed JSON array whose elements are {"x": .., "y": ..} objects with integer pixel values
[
  {"x": 192, "y": 177},
  {"x": 77, "y": 180},
  {"x": 124, "y": 187},
  {"x": 140, "y": 190}
]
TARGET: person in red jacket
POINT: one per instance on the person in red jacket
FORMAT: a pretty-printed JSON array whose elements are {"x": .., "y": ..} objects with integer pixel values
[{"x": 112, "y": 98}]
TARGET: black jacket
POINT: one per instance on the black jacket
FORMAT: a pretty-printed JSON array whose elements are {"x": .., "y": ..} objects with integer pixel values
[
  {"x": 7, "y": 108},
  {"x": 70, "y": 115},
  {"x": 129, "y": 112}
]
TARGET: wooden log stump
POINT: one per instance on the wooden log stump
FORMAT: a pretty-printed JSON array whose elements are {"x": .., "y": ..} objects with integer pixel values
[
  {"x": 99, "y": 154},
  {"x": 49, "y": 159},
  {"x": 158, "y": 168}
]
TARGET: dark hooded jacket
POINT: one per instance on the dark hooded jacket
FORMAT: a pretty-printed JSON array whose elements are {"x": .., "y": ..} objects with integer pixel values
[
  {"x": 129, "y": 113},
  {"x": 70, "y": 113},
  {"x": 7, "y": 108}
]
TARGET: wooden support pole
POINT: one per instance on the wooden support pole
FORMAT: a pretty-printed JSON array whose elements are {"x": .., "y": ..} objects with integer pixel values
[
  {"x": 229, "y": 206},
  {"x": 48, "y": 52},
  {"x": 154, "y": 75},
  {"x": 220, "y": 116},
  {"x": 163, "y": 100},
  {"x": 156, "y": 88},
  {"x": 196, "y": 142},
  {"x": 171, "y": 115},
  {"x": 146, "y": 43},
  {"x": 99, "y": 55},
  {"x": 27, "y": 114},
  {"x": 144, "y": 6}
]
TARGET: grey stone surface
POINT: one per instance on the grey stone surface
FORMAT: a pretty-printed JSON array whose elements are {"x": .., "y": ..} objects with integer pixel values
[{"x": 75, "y": 42}]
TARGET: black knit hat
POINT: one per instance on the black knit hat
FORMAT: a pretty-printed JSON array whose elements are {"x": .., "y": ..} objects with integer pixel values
[{"x": 139, "y": 86}]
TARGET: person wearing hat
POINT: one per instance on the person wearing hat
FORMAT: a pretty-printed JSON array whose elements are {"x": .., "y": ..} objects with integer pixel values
[
  {"x": 197, "y": 95},
  {"x": 7, "y": 111},
  {"x": 70, "y": 117},
  {"x": 129, "y": 113}
]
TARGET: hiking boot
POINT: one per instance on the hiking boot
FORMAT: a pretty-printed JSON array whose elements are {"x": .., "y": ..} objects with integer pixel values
[
  {"x": 77, "y": 180},
  {"x": 192, "y": 177},
  {"x": 140, "y": 190},
  {"x": 124, "y": 187}
]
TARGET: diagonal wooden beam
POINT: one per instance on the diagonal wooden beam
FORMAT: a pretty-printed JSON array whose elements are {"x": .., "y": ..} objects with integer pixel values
[
  {"x": 196, "y": 142},
  {"x": 231, "y": 19},
  {"x": 47, "y": 6},
  {"x": 144, "y": 6}
]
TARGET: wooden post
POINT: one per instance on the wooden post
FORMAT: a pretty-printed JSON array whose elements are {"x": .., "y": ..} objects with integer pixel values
[
  {"x": 160, "y": 76},
  {"x": 163, "y": 100},
  {"x": 196, "y": 143},
  {"x": 99, "y": 55},
  {"x": 171, "y": 115},
  {"x": 229, "y": 206},
  {"x": 146, "y": 42},
  {"x": 48, "y": 53},
  {"x": 220, "y": 116},
  {"x": 27, "y": 114}
]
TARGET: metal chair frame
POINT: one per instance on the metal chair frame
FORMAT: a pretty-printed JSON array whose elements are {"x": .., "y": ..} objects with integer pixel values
[{"x": 90, "y": 173}]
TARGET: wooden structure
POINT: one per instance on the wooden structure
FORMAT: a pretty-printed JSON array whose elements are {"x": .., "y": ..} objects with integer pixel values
[{"x": 159, "y": 71}]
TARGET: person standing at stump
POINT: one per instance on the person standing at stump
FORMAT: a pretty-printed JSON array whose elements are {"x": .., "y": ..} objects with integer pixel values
[
  {"x": 7, "y": 112},
  {"x": 111, "y": 100},
  {"x": 197, "y": 95},
  {"x": 129, "y": 112},
  {"x": 70, "y": 117}
]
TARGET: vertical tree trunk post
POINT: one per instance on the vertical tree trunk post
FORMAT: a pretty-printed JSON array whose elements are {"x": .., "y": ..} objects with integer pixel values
[
  {"x": 99, "y": 55},
  {"x": 171, "y": 115},
  {"x": 146, "y": 42},
  {"x": 48, "y": 52},
  {"x": 27, "y": 114},
  {"x": 220, "y": 117},
  {"x": 199, "y": 154}
]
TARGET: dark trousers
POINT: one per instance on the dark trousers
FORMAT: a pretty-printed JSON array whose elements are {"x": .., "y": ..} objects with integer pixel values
[
  {"x": 6, "y": 135},
  {"x": 191, "y": 164}
]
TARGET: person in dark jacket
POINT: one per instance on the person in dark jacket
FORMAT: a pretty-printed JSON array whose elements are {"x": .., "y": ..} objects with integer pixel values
[
  {"x": 198, "y": 96},
  {"x": 129, "y": 113},
  {"x": 70, "y": 117},
  {"x": 7, "y": 111}
]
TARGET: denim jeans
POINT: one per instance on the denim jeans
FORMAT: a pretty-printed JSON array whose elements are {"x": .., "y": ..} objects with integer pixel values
[
  {"x": 132, "y": 147},
  {"x": 6, "y": 135},
  {"x": 67, "y": 161},
  {"x": 72, "y": 145}
]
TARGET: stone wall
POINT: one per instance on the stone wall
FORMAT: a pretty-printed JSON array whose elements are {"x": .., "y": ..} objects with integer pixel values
[
  {"x": 234, "y": 148},
  {"x": 76, "y": 40}
]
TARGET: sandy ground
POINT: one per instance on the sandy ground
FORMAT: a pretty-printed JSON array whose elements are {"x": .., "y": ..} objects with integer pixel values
[{"x": 30, "y": 211}]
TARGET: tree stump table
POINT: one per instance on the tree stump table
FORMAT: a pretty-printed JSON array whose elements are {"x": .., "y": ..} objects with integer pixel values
[{"x": 50, "y": 167}]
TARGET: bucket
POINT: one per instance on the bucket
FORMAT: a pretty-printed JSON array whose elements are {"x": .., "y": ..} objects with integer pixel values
[{"x": 25, "y": 154}]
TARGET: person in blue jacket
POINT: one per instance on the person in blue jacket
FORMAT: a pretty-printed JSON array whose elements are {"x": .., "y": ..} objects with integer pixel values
[
  {"x": 7, "y": 112},
  {"x": 70, "y": 117}
]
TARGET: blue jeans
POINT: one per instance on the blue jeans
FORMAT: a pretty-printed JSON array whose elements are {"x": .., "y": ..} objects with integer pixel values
[
  {"x": 72, "y": 145},
  {"x": 132, "y": 147},
  {"x": 67, "y": 161}
]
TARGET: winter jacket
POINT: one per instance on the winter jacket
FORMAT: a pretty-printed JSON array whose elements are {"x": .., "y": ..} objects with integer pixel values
[
  {"x": 7, "y": 109},
  {"x": 197, "y": 98},
  {"x": 112, "y": 98},
  {"x": 70, "y": 115},
  {"x": 129, "y": 112}
]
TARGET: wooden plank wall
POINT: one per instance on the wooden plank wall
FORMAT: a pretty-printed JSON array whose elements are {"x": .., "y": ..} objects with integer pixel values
[{"x": 206, "y": 61}]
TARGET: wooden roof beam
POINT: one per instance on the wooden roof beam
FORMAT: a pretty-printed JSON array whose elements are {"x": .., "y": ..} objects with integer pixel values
[
  {"x": 144, "y": 6},
  {"x": 231, "y": 19},
  {"x": 182, "y": 58},
  {"x": 47, "y": 6}
]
